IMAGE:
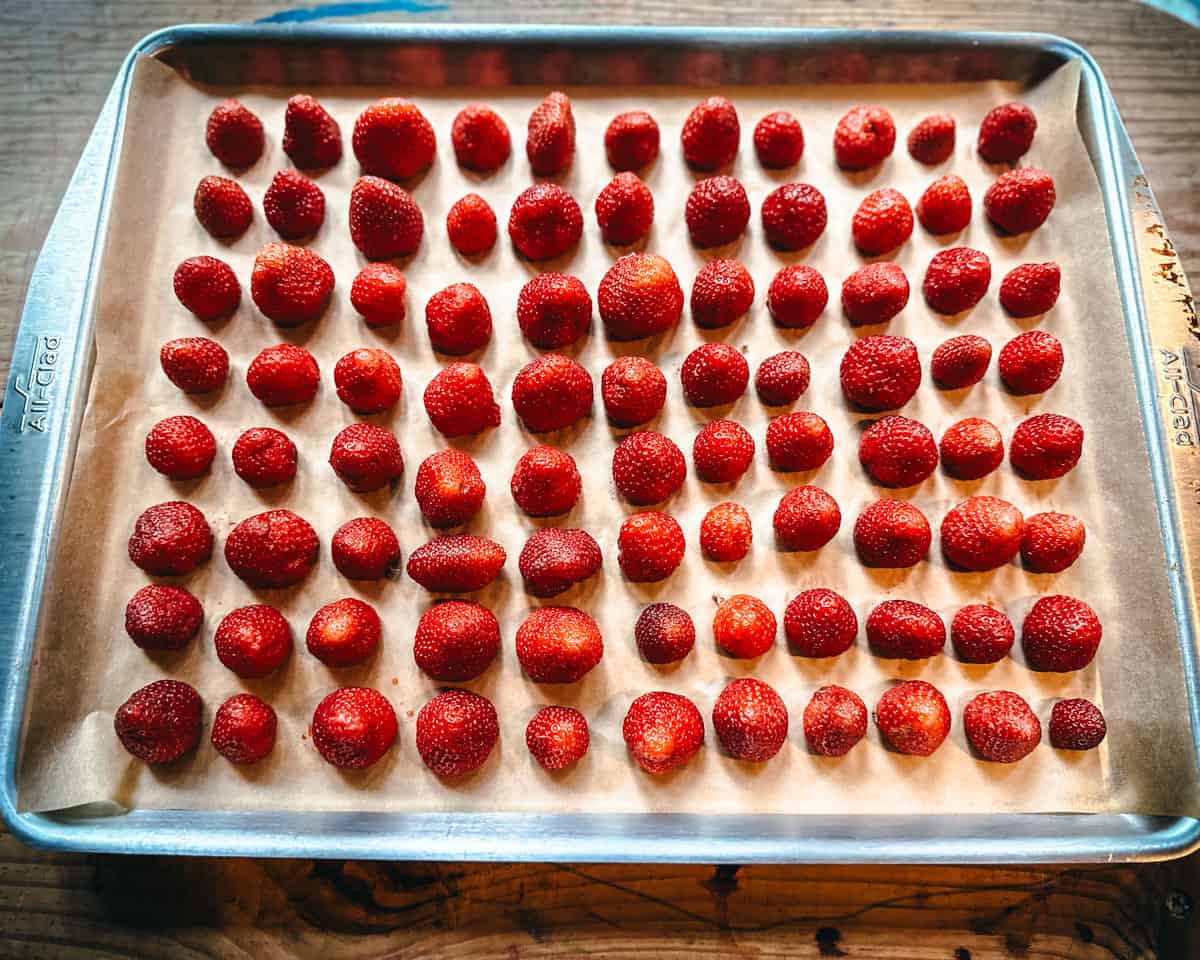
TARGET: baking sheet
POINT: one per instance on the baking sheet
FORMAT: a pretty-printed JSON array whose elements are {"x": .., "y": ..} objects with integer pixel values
[{"x": 85, "y": 665}]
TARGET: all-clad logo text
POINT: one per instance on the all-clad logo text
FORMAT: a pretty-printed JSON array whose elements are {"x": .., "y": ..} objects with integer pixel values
[
  {"x": 1181, "y": 373},
  {"x": 36, "y": 385}
]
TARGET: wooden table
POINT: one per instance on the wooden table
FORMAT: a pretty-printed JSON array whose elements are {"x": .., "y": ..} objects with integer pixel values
[{"x": 57, "y": 60}]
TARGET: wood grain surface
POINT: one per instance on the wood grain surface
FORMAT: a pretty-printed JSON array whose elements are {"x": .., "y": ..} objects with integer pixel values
[{"x": 57, "y": 60}]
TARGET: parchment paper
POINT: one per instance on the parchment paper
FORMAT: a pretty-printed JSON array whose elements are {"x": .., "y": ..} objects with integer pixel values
[{"x": 86, "y": 666}]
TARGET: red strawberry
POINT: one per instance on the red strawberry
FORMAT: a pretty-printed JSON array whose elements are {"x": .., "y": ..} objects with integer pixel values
[
  {"x": 1020, "y": 200},
  {"x": 458, "y": 319},
  {"x": 554, "y": 310},
  {"x": 971, "y": 449},
  {"x": 726, "y": 533},
  {"x": 449, "y": 488},
  {"x": 806, "y": 519},
  {"x": 283, "y": 374},
  {"x": 459, "y": 401},
  {"x": 863, "y": 138},
  {"x": 545, "y": 482},
  {"x": 1060, "y": 634},
  {"x": 722, "y": 291},
  {"x": 480, "y": 138},
  {"x": 170, "y": 539},
  {"x": 932, "y": 140},
  {"x": 639, "y": 297},
  {"x": 834, "y": 721},
  {"x": 819, "y": 623},
  {"x": 650, "y": 546},
  {"x": 960, "y": 361},
  {"x": 366, "y": 457},
  {"x": 253, "y": 641},
  {"x": 778, "y": 140},
  {"x": 290, "y": 285},
  {"x": 180, "y": 448},
  {"x": 557, "y": 737},
  {"x": 354, "y": 727},
  {"x": 160, "y": 722},
  {"x": 272, "y": 549},
  {"x": 662, "y": 731},
  {"x": 717, "y": 211},
  {"x": 234, "y": 134},
  {"x": 982, "y": 533},
  {"x": 782, "y": 378},
  {"x": 264, "y": 457},
  {"x": 368, "y": 380},
  {"x": 794, "y": 216},
  {"x": 194, "y": 364},
  {"x": 664, "y": 633},
  {"x": 647, "y": 467},
  {"x": 385, "y": 221},
  {"x": 558, "y": 645},
  {"x": 471, "y": 225},
  {"x": 714, "y": 374},
  {"x": 751, "y": 720},
  {"x": 634, "y": 391},
  {"x": 631, "y": 140},
  {"x": 222, "y": 207},
  {"x": 550, "y": 143},
  {"x": 378, "y": 294},
  {"x": 956, "y": 279},
  {"x": 551, "y": 393},
  {"x": 553, "y": 560},
  {"x": 797, "y": 297},
  {"x": 1031, "y": 362},
  {"x": 344, "y": 633},
  {"x": 981, "y": 634},
  {"x": 722, "y": 451},
  {"x": 393, "y": 139},
  {"x": 207, "y": 287},
  {"x": 907, "y": 630},
  {"x": 458, "y": 564},
  {"x": 945, "y": 206},
  {"x": 311, "y": 137},
  {"x": 1052, "y": 541},
  {"x": 456, "y": 731},
  {"x": 1000, "y": 726},
  {"x": 882, "y": 222},
  {"x": 456, "y": 640},
  {"x": 710, "y": 134},
  {"x": 294, "y": 205},
  {"x": 880, "y": 373},
  {"x": 798, "y": 441},
  {"x": 1076, "y": 725},
  {"x": 243, "y": 729},
  {"x": 874, "y": 293},
  {"x": 744, "y": 626},
  {"x": 365, "y": 548},
  {"x": 624, "y": 210},
  {"x": 545, "y": 222},
  {"x": 913, "y": 717},
  {"x": 897, "y": 452},
  {"x": 1006, "y": 133},
  {"x": 1030, "y": 289},
  {"x": 1046, "y": 446},
  {"x": 162, "y": 618},
  {"x": 892, "y": 534}
]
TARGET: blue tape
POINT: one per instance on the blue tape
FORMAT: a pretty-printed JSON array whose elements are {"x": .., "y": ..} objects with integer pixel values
[{"x": 351, "y": 9}]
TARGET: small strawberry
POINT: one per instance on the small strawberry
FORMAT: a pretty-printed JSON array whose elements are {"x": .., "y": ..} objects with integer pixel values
[
  {"x": 234, "y": 134},
  {"x": 650, "y": 547},
  {"x": 624, "y": 210},
  {"x": 553, "y": 560},
  {"x": 457, "y": 564},
  {"x": 456, "y": 640},
  {"x": 714, "y": 374},
  {"x": 647, "y": 467},
  {"x": 880, "y": 372},
  {"x": 794, "y": 216},
  {"x": 874, "y": 293},
  {"x": 744, "y": 626},
  {"x": 710, "y": 134},
  {"x": 311, "y": 137},
  {"x": 283, "y": 374},
  {"x": 557, "y": 737},
  {"x": 956, "y": 279},
  {"x": 726, "y": 533},
  {"x": 891, "y": 534},
  {"x": 344, "y": 633},
  {"x": 863, "y": 138},
  {"x": 243, "y": 729},
  {"x": 1060, "y": 634},
  {"x": 751, "y": 720},
  {"x": 971, "y": 449},
  {"x": 640, "y": 296},
  {"x": 982, "y": 533},
  {"x": 354, "y": 727},
  {"x": 558, "y": 644},
  {"x": 960, "y": 361},
  {"x": 882, "y": 222},
  {"x": 778, "y": 140},
  {"x": 1052, "y": 541},
  {"x": 834, "y": 721},
  {"x": 664, "y": 633},
  {"x": 385, "y": 221},
  {"x": 456, "y": 732},
  {"x": 366, "y": 457},
  {"x": 797, "y": 297},
  {"x": 782, "y": 378},
  {"x": 633, "y": 390},
  {"x": 459, "y": 401},
  {"x": 272, "y": 549},
  {"x": 1030, "y": 289},
  {"x": 897, "y": 452},
  {"x": 1006, "y": 133},
  {"x": 819, "y": 623},
  {"x": 806, "y": 519},
  {"x": 480, "y": 137},
  {"x": 471, "y": 225},
  {"x": 368, "y": 380},
  {"x": 721, "y": 293},
  {"x": 551, "y": 393},
  {"x": 253, "y": 641},
  {"x": 378, "y": 294},
  {"x": 160, "y": 722},
  {"x": 554, "y": 310},
  {"x": 981, "y": 634},
  {"x": 294, "y": 206},
  {"x": 449, "y": 488},
  {"x": 458, "y": 319},
  {"x": 162, "y": 618},
  {"x": 222, "y": 207},
  {"x": 393, "y": 139},
  {"x": 932, "y": 140},
  {"x": 1031, "y": 362},
  {"x": 545, "y": 482},
  {"x": 170, "y": 539},
  {"x": 722, "y": 451},
  {"x": 662, "y": 731},
  {"x": 207, "y": 287},
  {"x": 906, "y": 630},
  {"x": 945, "y": 206},
  {"x": 290, "y": 285},
  {"x": 913, "y": 717},
  {"x": 631, "y": 140},
  {"x": 1076, "y": 725},
  {"x": 1000, "y": 726},
  {"x": 1046, "y": 446},
  {"x": 798, "y": 441},
  {"x": 1020, "y": 200},
  {"x": 545, "y": 222},
  {"x": 180, "y": 448},
  {"x": 194, "y": 364},
  {"x": 550, "y": 142},
  {"x": 365, "y": 548},
  {"x": 717, "y": 211}
]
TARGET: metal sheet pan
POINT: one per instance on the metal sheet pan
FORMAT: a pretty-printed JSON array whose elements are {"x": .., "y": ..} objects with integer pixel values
[{"x": 50, "y": 373}]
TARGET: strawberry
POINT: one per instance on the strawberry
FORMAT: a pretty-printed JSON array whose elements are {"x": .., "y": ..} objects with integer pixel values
[
  {"x": 194, "y": 364},
  {"x": 1020, "y": 200},
  {"x": 550, "y": 141},
  {"x": 751, "y": 720},
  {"x": 981, "y": 634},
  {"x": 1060, "y": 634},
  {"x": 207, "y": 287},
  {"x": 863, "y": 138},
  {"x": 1046, "y": 446},
  {"x": 710, "y": 134},
  {"x": 778, "y": 140},
  {"x": 160, "y": 722},
  {"x": 480, "y": 138},
  {"x": 243, "y": 729},
  {"x": 956, "y": 279},
  {"x": 234, "y": 134},
  {"x": 874, "y": 293},
  {"x": 1076, "y": 725},
  {"x": 283, "y": 374},
  {"x": 354, "y": 727},
  {"x": 290, "y": 285},
  {"x": 945, "y": 206},
  {"x": 891, "y": 534},
  {"x": 982, "y": 533},
  {"x": 971, "y": 449},
  {"x": 551, "y": 393},
  {"x": 794, "y": 216},
  {"x": 554, "y": 310},
  {"x": 932, "y": 140},
  {"x": 457, "y": 564},
  {"x": 647, "y": 467},
  {"x": 272, "y": 549},
  {"x": 170, "y": 539},
  {"x": 459, "y": 401},
  {"x": 553, "y": 560},
  {"x": 344, "y": 633},
  {"x": 834, "y": 721},
  {"x": 624, "y": 210},
  {"x": 714, "y": 374},
  {"x": 819, "y": 623},
  {"x": 1030, "y": 289},
  {"x": 1052, "y": 541},
  {"x": 458, "y": 319},
  {"x": 664, "y": 633},
  {"x": 744, "y": 626},
  {"x": 631, "y": 140},
  {"x": 456, "y": 640},
  {"x": 639, "y": 297},
  {"x": 662, "y": 731},
  {"x": 365, "y": 548},
  {"x": 545, "y": 482},
  {"x": 906, "y": 630},
  {"x": 717, "y": 211},
  {"x": 798, "y": 441},
  {"x": 456, "y": 731},
  {"x": 913, "y": 717},
  {"x": 782, "y": 378},
  {"x": 253, "y": 641},
  {"x": 721, "y": 293},
  {"x": 393, "y": 139},
  {"x": 385, "y": 221},
  {"x": 880, "y": 372},
  {"x": 558, "y": 644},
  {"x": 806, "y": 519},
  {"x": 180, "y": 448},
  {"x": 162, "y": 618},
  {"x": 726, "y": 533},
  {"x": 650, "y": 546},
  {"x": 1031, "y": 362},
  {"x": 882, "y": 222},
  {"x": 311, "y": 137},
  {"x": 557, "y": 737},
  {"x": 797, "y": 297},
  {"x": 378, "y": 294},
  {"x": 294, "y": 205},
  {"x": 722, "y": 452},
  {"x": 366, "y": 457},
  {"x": 449, "y": 488},
  {"x": 368, "y": 380},
  {"x": 1000, "y": 726},
  {"x": 471, "y": 225},
  {"x": 545, "y": 222},
  {"x": 222, "y": 207},
  {"x": 633, "y": 390},
  {"x": 1006, "y": 133},
  {"x": 897, "y": 452},
  {"x": 960, "y": 361}
]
